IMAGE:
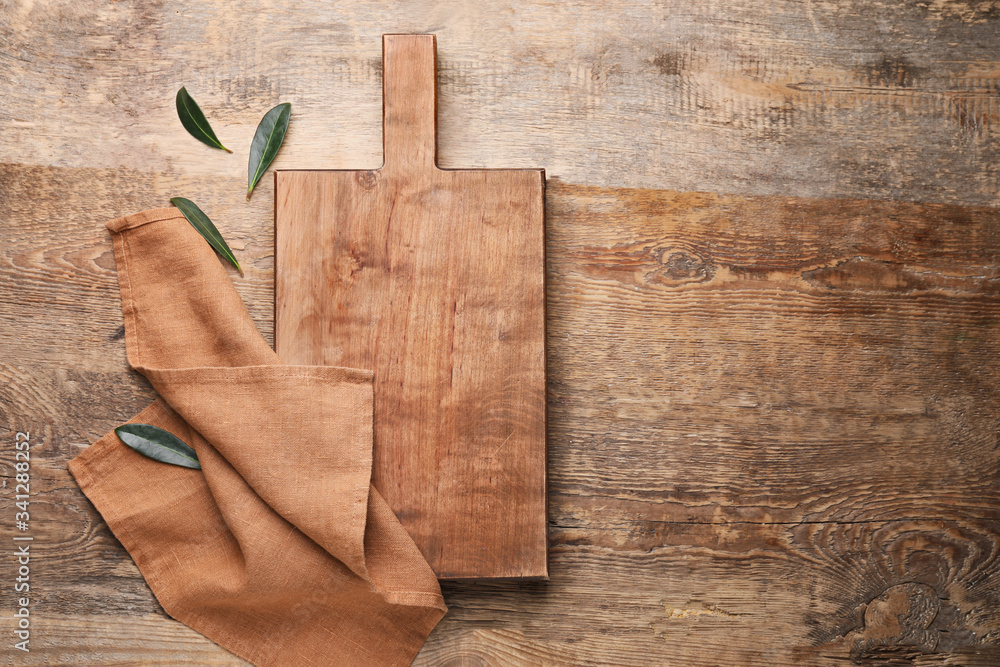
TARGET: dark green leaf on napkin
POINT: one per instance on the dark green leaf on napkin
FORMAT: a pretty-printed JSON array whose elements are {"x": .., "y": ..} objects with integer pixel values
[
  {"x": 158, "y": 444},
  {"x": 266, "y": 142},
  {"x": 205, "y": 227},
  {"x": 194, "y": 120}
]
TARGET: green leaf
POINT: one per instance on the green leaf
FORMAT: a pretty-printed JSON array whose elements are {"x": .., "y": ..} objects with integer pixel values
[
  {"x": 266, "y": 142},
  {"x": 194, "y": 120},
  {"x": 158, "y": 444},
  {"x": 205, "y": 227}
]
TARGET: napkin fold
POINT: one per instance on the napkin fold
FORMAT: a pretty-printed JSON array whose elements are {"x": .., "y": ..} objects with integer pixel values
[{"x": 279, "y": 549}]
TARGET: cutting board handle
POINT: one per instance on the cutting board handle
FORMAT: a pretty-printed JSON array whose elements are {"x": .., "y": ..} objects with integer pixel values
[{"x": 409, "y": 123}]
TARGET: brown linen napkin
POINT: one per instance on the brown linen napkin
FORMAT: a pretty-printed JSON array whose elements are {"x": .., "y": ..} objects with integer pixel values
[{"x": 278, "y": 549}]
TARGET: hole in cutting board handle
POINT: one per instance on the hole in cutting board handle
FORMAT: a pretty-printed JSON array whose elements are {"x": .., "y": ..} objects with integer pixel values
[{"x": 409, "y": 101}]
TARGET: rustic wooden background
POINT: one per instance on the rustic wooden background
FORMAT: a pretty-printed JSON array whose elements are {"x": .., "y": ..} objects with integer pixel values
[{"x": 773, "y": 306}]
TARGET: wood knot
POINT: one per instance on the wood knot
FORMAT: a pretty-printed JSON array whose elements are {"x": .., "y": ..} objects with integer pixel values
[
  {"x": 367, "y": 179},
  {"x": 343, "y": 267},
  {"x": 680, "y": 267},
  {"x": 892, "y": 72},
  {"x": 672, "y": 63},
  {"x": 901, "y": 616}
]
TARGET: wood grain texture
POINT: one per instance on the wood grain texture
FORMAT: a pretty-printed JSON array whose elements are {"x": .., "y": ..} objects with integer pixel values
[
  {"x": 792, "y": 461},
  {"x": 817, "y": 98},
  {"x": 435, "y": 280},
  {"x": 772, "y": 416}
]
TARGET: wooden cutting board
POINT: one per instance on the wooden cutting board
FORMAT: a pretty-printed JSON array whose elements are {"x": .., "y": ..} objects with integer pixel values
[{"x": 435, "y": 280}]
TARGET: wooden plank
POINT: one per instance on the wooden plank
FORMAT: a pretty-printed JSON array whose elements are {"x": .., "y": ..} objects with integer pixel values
[
  {"x": 89, "y": 639},
  {"x": 433, "y": 279},
  {"x": 809, "y": 99},
  {"x": 681, "y": 593}
]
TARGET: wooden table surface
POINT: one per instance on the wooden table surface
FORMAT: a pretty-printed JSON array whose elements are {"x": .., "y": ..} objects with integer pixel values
[{"x": 773, "y": 278}]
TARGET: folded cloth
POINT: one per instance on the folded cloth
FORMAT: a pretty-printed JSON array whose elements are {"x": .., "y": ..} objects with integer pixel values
[{"x": 279, "y": 549}]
